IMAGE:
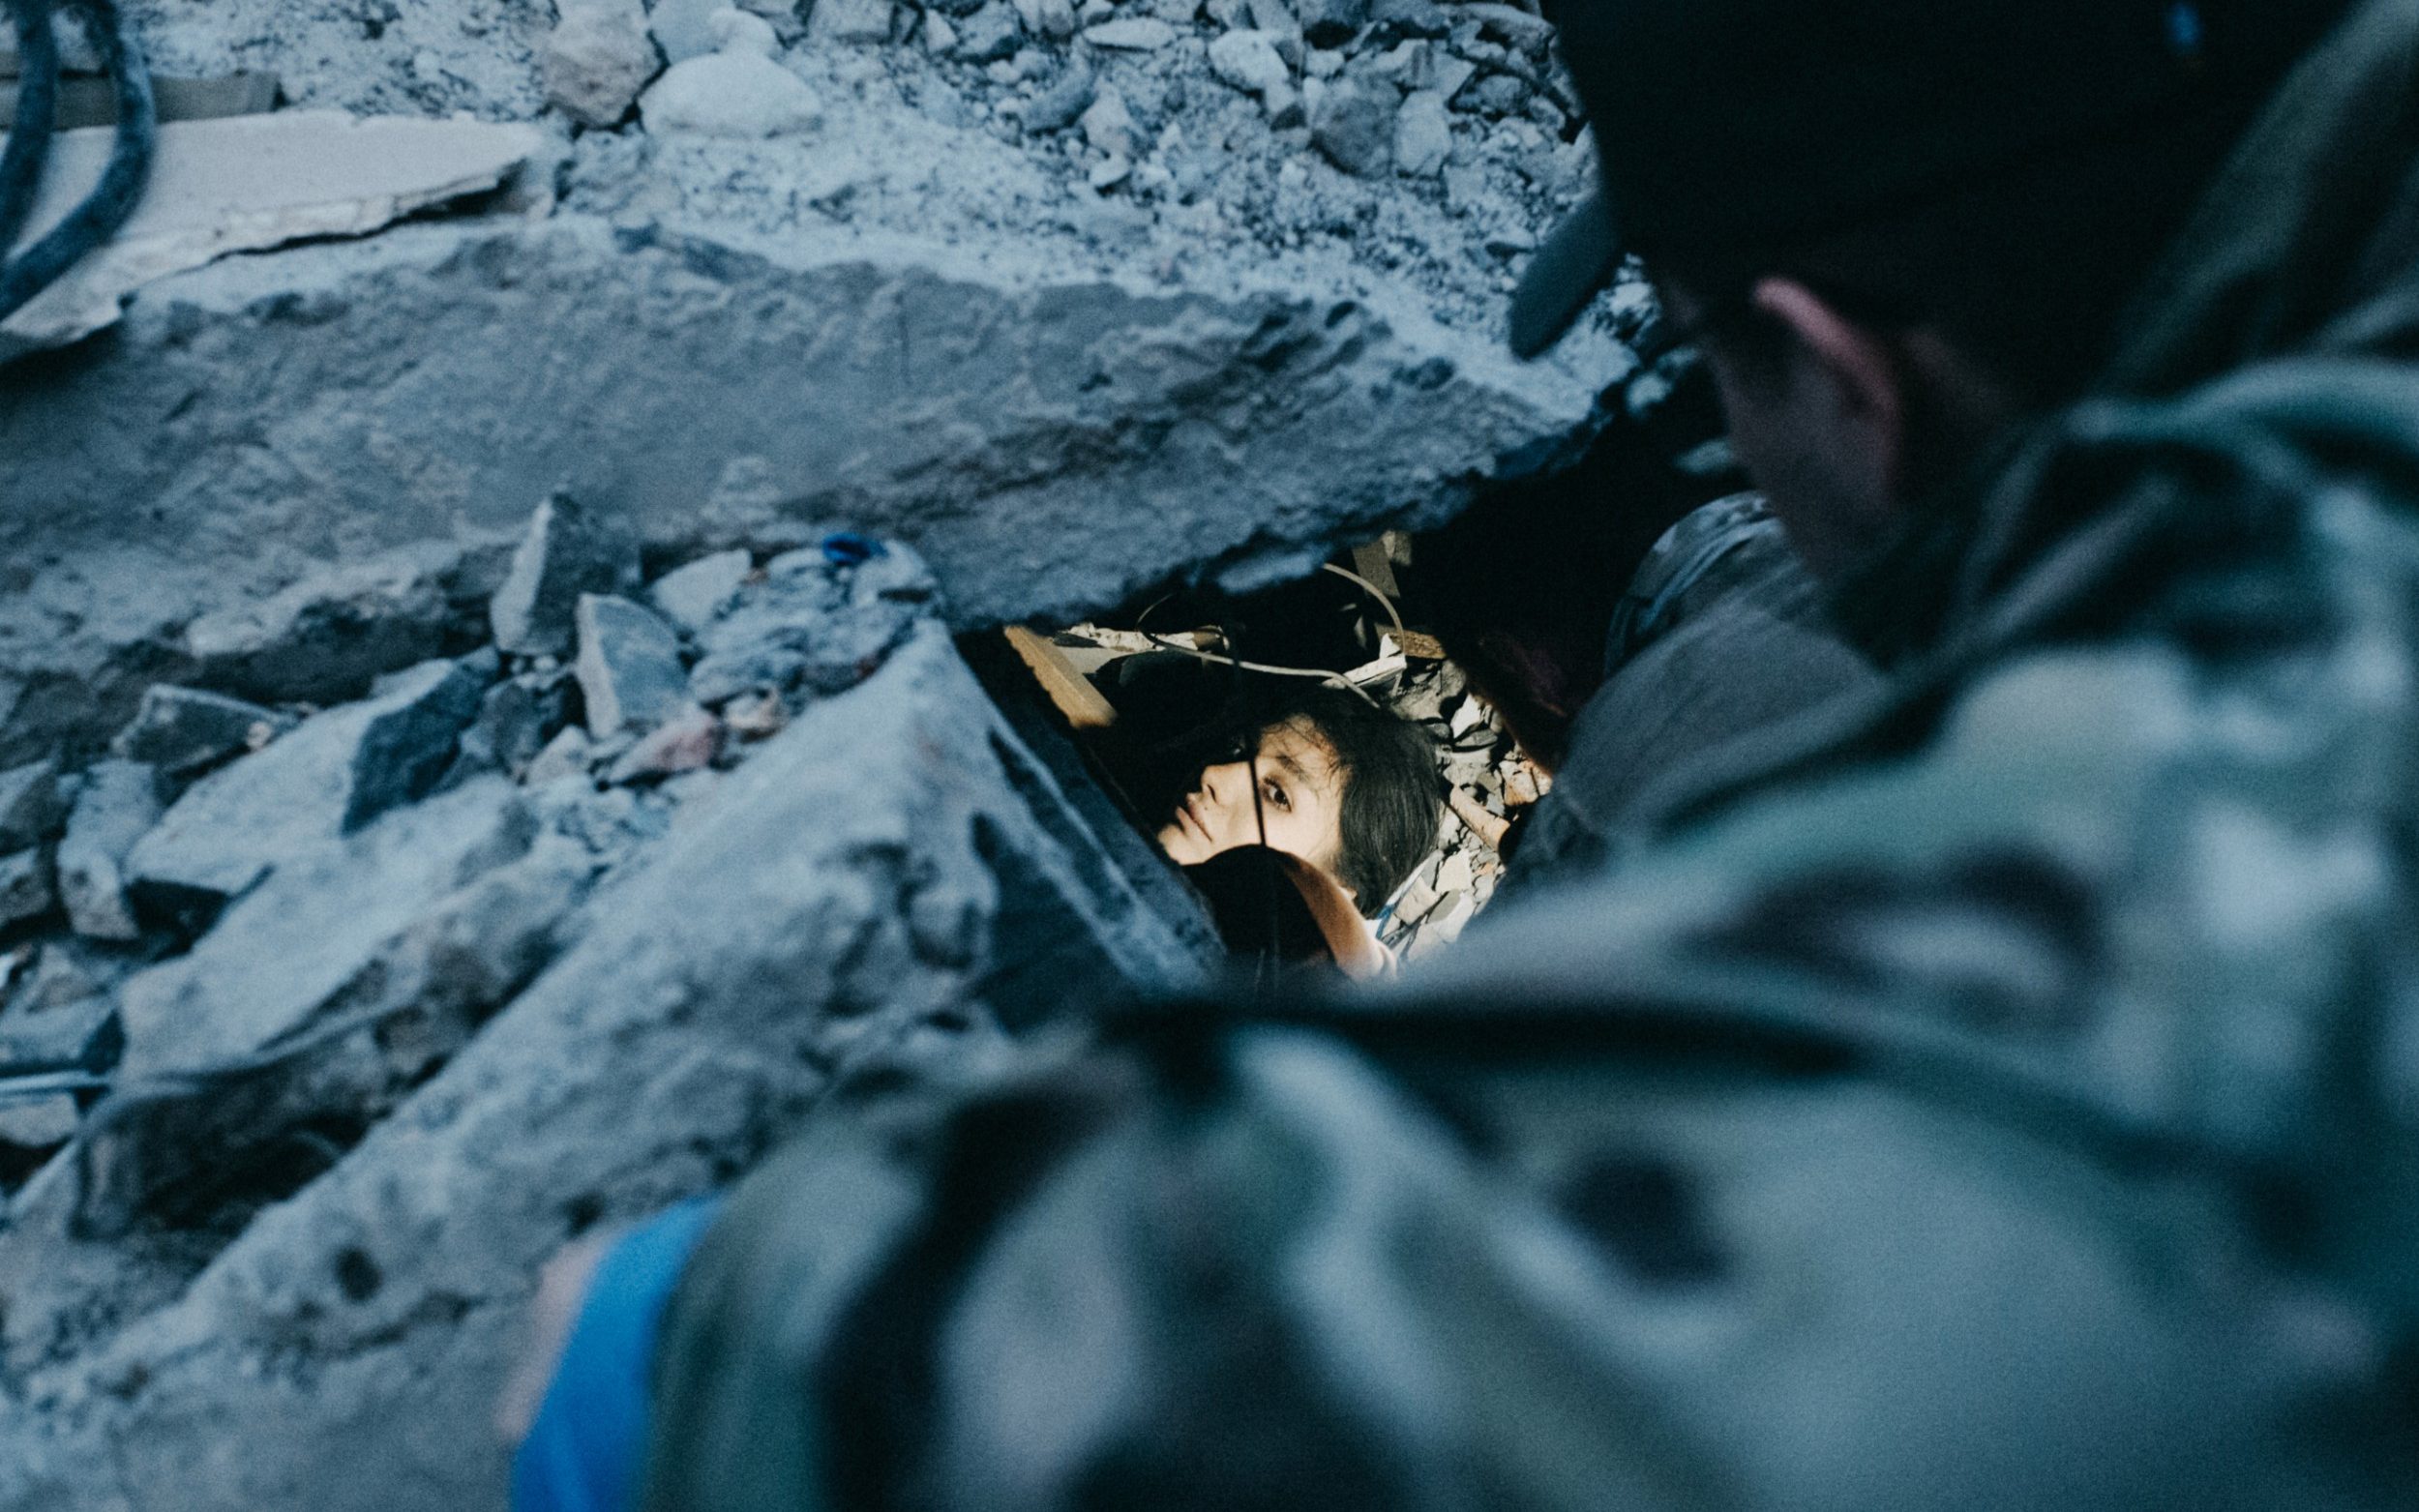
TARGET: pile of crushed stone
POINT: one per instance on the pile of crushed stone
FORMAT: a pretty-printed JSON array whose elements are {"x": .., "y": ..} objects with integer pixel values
[{"x": 1407, "y": 152}]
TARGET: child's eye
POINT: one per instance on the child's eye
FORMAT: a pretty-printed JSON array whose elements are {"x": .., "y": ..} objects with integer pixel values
[{"x": 1275, "y": 795}]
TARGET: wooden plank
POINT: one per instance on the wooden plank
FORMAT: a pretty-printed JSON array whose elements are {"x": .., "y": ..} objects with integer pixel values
[{"x": 1070, "y": 689}]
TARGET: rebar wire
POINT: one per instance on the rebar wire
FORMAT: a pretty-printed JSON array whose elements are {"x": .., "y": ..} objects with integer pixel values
[
  {"x": 37, "y": 111},
  {"x": 105, "y": 208}
]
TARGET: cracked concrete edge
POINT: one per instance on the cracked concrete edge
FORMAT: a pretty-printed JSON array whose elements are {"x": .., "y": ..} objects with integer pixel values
[
  {"x": 1052, "y": 447},
  {"x": 665, "y": 1051}
]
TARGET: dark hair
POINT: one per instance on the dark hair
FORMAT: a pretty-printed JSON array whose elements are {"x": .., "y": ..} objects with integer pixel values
[
  {"x": 2028, "y": 271},
  {"x": 1392, "y": 806}
]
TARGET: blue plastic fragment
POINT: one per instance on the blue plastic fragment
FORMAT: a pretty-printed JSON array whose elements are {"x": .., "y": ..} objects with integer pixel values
[
  {"x": 848, "y": 549},
  {"x": 2186, "y": 32}
]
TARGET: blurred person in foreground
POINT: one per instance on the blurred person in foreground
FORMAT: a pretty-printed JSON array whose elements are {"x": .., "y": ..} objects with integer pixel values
[{"x": 2007, "y": 1098}]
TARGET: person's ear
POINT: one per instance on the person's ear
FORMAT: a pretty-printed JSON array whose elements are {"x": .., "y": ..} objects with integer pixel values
[{"x": 1864, "y": 382}]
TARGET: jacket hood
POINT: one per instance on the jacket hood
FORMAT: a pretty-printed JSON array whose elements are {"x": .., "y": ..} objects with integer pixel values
[{"x": 2298, "y": 275}]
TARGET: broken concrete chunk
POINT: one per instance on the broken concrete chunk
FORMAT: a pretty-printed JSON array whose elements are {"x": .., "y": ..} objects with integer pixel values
[
  {"x": 118, "y": 806},
  {"x": 684, "y": 743},
  {"x": 743, "y": 31},
  {"x": 1109, "y": 126},
  {"x": 1249, "y": 61},
  {"x": 276, "y": 954},
  {"x": 566, "y": 552},
  {"x": 322, "y": 638},
  {"x": 692, "y": 595},
  {"x": 335, "y": 772},
  {"x": 248, "y": 183},
  {"x": 25, "y": 887},
  {"x": 1063, "y": 103},
  {"x": 1354, "y": 127},
  {"x": 1423, "y": 134},
  {"x": 181, "y": 730},
  {"x": 629, "y": 667},
  {"x": 990, "y": 33},
  {"x": 30, "y": 804},
  {"x": 516, "y": 719},
  {"x": 683, "y": 29},
  {"x": 729, "y": 94},
  {"x": 597, "y": 59},
  {"x": 1131, "y": 34},
  {"x": 1054, "y": 19},
  {"x": 850, "y": 22}
]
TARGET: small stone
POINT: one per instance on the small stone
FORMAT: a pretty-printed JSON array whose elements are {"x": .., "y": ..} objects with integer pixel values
[
  {"x": 1109, "y": 172},
  {"x": 1511, "y": 241},
  {"x": 990, "y": 34},
  {"x": 755, "y": 716},
  {"x": 735, "y": 95},
  {"x": 516, "y": 719},
  {"x": 31, "y": 806},
  {"x": 684, "y": 743},
  {"x": 1330, "y": 23},
  {"x": 940, "y": 36},
  {"x": 1465, "y": 186},
  {"x": 565, "y": 552},
  {"x": 181, "y": 730},
  {"x": 1322, "y": 64},
  {"x": 1454, "y": 875},
  {"x": 684, "y": 29},
  {"x": 1493, "y": 95},
  {"x": 1285, "y": 107},
  {"x": 1132, "y": 34},
  {"x": 1109, "y": 127},
  {"x": 564, "y": 755},
  {"x": 336, "y": 772},
  {"x": 1063, "y": 103},
  {"x": 1517, "y": 28},
  {"x": 1355, "y": 128},
  {"x": 849, "y": 21},
  {"x": 1228, "y": 15},
  {"x": 694, "y": 595},
  {"x": 1397, "y": 18},
  {"x": 1051, "y": 19},
  {"x": 1423, "y": 135},
  {"x": 1275, "y": 19},
  {"x": 1249, "y": 61},
  {"x": 26, "y": 888},
  {"x": 739, "y": 31},
  {"x": 1407, "y": 66},
  {"x": 597, "y": 59},
  {"x": 1449, "y": 73},
  {"x": 629, "y": 667},
  {"x": 118, "y": 806}
]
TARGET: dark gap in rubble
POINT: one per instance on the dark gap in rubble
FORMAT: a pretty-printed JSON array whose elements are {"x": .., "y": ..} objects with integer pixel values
[{"x": 1487, "y": 634}]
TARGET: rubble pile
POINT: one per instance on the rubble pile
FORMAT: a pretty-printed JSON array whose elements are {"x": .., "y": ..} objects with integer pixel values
[
  {"x": 1074, "y": 300},
  {"x": 390, "y": 998}
]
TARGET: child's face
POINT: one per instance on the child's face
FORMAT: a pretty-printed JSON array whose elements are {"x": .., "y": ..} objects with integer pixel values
[{"x": 1301, "y": 804}]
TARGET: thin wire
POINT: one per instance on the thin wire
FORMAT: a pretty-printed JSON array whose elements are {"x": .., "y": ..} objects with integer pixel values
[{"x": 1142, "y": 624}]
